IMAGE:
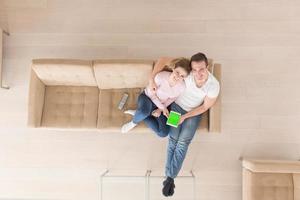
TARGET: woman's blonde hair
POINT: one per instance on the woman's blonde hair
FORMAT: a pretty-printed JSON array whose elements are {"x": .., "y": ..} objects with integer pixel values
[{"x": 179, "y": 62}]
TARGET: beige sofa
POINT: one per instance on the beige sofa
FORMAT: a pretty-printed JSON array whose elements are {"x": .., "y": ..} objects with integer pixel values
[
  {"x": 271, "y": 180},
  {"x": 74, "y": 94}
]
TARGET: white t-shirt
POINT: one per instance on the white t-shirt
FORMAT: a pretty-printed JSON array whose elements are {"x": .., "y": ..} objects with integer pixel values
[{"x": 193, "y": 96}]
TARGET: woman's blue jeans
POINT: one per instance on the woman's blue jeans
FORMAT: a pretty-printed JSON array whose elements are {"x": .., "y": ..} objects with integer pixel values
[
  {"x": 144, "y": 110},
  {"x": 179, "y": 140}
]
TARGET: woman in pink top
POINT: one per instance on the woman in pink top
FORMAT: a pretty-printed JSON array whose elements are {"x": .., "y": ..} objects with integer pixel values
[{"x": 152, "y": 106}]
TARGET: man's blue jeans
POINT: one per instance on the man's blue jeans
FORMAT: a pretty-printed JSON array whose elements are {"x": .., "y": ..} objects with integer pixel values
[
  {"x": 179, "y": 140},
  {"x": 144, "y": 113}
]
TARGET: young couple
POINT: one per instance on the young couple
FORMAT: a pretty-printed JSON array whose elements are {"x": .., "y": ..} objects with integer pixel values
[{"x": 189, "y": 89}]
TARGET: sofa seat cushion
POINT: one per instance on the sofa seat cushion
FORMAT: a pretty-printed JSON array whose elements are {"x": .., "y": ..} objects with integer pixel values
[
  {"x": 270, "y": 186},
  {"x": 70, "y": 107},
  {"x": 117, "y": 74},
  {"x": 109, "y": 116},
  {"x": 64, "y": 72}
]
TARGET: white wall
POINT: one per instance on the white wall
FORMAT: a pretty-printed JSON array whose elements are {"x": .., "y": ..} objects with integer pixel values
[{"x": 256, "y": 41}]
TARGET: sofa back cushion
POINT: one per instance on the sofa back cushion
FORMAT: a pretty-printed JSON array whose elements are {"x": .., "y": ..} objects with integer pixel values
[
  {"x": 68, "y": 72},
  {"x": 117, "y": 74}
]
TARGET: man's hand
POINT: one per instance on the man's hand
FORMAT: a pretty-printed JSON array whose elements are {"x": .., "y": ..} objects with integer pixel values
[
  {"x": 158, "y": 67},
  {"x": 156, "y": 113},
  {"x": 182, "y": 118},
  {"x": 166, "y": 112}
]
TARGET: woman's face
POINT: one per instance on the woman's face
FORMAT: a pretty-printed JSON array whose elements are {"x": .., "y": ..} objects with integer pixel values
[
  {"x": 199, "y": 70},
  {"x": 178, "y": 74}
]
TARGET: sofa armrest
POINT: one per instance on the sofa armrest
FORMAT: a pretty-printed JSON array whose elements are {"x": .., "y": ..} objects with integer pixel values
[
  {"x": 214, "y": 113},
  {"x": 246, "y": 184},
  {"x": 296, "y": 181},
  {"x": 272, "y": 166},
  {"x": 36, "y": 100}
]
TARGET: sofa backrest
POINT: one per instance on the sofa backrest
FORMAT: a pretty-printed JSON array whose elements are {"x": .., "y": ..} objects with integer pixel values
[
  {"x": 117, "y": 74},
  {"x": 68, "y": 72}
]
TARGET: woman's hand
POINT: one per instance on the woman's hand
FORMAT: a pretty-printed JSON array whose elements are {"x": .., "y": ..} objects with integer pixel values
[
  {"x": 156, "y": 113},
  {"x": 152, "y": 85},
  {"x": 166, "y": 112}
]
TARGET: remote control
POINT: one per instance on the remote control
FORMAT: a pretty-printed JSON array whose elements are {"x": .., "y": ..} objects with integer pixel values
[{"x": 123, "y": 101}]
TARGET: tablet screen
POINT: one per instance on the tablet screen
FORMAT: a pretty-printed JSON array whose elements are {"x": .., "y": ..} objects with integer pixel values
[{"x": 173, "y": 119}]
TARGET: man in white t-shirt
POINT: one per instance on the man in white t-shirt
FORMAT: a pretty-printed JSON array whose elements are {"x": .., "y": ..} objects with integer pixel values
[{"x": 202, "y": 90}]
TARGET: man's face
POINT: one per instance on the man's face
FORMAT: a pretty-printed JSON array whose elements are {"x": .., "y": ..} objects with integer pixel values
[{"x": 199, "y": 70}]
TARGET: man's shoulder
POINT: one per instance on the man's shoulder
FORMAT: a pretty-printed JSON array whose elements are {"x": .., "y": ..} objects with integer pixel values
[
  {"x": 213, "y": 80},
  {"x": 213, "y": 87}
]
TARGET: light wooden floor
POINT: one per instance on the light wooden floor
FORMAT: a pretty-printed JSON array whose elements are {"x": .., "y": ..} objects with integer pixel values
[{"x": 256, "y": 41}]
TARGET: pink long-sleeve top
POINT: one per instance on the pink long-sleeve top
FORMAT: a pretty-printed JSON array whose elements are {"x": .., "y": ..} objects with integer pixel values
[{"x": 165, "y": 94}]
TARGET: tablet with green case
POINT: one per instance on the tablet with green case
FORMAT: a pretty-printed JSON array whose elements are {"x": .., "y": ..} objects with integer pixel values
[{"x": 173, "y": 119}]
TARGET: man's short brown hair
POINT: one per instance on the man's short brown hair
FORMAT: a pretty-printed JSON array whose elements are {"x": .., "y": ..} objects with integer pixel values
[{"x": 198, "y": 57}]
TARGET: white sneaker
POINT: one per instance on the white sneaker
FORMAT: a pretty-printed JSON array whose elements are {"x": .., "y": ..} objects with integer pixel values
[
  {"x": 127, "y": 127},
  {"x": 130, "y": 112}
]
